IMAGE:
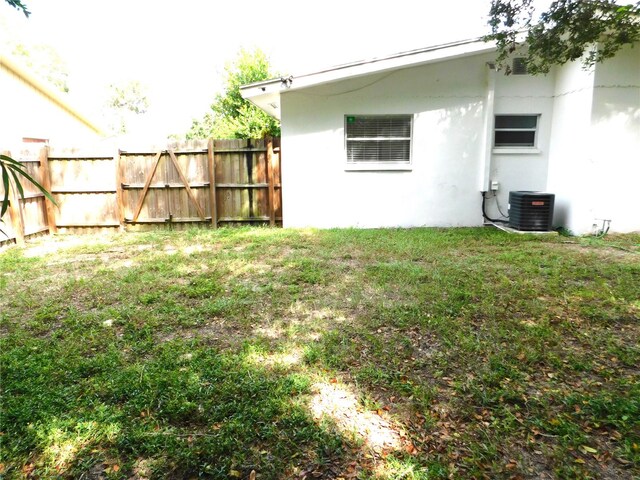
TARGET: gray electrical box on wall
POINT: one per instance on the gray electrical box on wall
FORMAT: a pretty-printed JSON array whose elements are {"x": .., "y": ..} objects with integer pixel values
[{"x": 531, "y": 211}]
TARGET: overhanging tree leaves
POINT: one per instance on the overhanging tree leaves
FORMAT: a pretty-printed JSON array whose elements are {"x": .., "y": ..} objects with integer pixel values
[
  {"x": 20, "y": 6},
  {"x": 591, "y": 30},
  {"x": 231, "y": 115}
]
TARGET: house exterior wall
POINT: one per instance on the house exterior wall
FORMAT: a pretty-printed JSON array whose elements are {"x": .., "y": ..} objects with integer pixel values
[
  {"x": 27, "y": 112},
  {"x": 587, "y": 151},
  {"x": 448, "y": 101},
  {"x": 595, "y": 145},
  {"x": 522, "y": 168}
]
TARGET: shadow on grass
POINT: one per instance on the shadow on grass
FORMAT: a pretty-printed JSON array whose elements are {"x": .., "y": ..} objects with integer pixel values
[
  {"x": 161, "y": 361},
  {"x": 186, "y": 410},
  {"x": 409, "y": 353}
]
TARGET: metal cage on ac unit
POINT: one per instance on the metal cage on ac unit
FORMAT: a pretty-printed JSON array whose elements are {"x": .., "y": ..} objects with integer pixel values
[{"x": 531, "y": 211}]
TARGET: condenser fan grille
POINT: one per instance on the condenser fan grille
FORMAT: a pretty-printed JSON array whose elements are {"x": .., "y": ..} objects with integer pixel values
[{"x": 531, "y": 211}]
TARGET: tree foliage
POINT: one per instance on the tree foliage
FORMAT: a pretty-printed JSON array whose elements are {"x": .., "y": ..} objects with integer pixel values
[
  {"x": 125, "y": 102},
  {"x": 130, "y": 96},
  {"x": 45, "y": 62},
  {"x": 591, "y": 30},
  {"x": 231, "y": 115}
]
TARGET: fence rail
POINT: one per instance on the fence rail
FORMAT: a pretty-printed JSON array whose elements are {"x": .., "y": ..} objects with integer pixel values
[{"x": 219, "y": 182}]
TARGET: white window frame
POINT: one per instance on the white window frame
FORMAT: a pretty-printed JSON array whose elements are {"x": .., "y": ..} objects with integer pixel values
[
  {"x": 517, "y": 148},
  {"x": 378, "y": 164}
]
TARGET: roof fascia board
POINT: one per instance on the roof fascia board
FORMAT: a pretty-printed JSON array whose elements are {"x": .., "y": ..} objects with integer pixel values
[
  {"x": 266, "y": 94},
  {"x": 262, "y": 88},
  {"x": 365, "y": 67},
  {"x": 384, "y": 65}
]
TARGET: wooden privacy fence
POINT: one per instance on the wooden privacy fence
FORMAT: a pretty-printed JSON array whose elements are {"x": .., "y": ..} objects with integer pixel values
[{"x": 219, "y": 182}]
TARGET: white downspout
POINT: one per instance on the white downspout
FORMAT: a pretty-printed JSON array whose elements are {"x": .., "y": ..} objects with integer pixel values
[{"x": 487, "y": 146}]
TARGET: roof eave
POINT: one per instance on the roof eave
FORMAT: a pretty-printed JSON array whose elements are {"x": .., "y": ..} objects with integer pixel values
[
  {"x": 266, "y": 94},
  {"x": 46, "y": 91}
]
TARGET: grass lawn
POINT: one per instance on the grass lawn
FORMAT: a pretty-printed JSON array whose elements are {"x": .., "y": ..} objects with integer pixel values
[{"x": 270, "y": 353}]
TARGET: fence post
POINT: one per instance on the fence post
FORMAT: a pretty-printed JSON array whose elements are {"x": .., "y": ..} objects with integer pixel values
[
  {"x": 15, "y": 212},
  {"x": 212, "y": 182},
  {"x": 119, "y": 190},
  {"x": 271, "y": 180},
  {"x": 43, "y": 158}
]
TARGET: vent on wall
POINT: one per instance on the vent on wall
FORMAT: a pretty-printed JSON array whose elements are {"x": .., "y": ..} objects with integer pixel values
[
  {"x": 531, "y": 211},
  {"x": 519, "y": 66}
]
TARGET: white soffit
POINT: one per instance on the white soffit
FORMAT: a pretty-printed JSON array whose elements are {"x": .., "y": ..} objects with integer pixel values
[{"x": 266, "y": 94}]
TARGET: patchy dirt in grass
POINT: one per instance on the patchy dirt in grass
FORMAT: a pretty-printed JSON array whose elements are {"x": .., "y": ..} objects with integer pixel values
[
  {"x": 336, "y": 403},
  {"x": 607, "y": 251},
  {"x": 217, "y": 332}
]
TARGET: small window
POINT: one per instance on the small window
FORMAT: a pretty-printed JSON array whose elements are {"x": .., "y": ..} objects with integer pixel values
[
  {"x": 519, "y": 66},
  {"x": 515, "y": 131},
  {"x": 378, "y": 138}
]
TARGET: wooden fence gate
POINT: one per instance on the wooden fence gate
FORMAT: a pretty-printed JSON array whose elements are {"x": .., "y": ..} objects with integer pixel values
[{"x": 219, "y": 182}]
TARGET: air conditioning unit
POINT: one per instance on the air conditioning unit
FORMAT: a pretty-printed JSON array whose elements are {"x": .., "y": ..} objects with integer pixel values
[{"x": 531, "y": 211}]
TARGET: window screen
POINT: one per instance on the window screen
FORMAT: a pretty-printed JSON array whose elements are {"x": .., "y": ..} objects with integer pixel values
[
  {"x": 519, "y": 66},
  {"x": 515, "y": 130},
  {"x": 378, "y": 138}
]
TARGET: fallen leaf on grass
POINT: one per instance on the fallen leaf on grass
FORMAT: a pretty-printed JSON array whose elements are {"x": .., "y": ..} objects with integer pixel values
[
  {"x": 235, "y": 473},
  {"x": 604, "y": 457},
  {"x": 615, "y": 435},
  {"x": 586, "y": 449},
  {"x": 411, "y": 449}
]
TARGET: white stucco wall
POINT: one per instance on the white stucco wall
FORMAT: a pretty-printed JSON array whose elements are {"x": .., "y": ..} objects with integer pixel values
[
  {"x": 595, "y": 145},
  {"x": 522, "y": 168},
  {"x": 28, "y": 113},
  {"x": 447, "y": 100},
  {"x": 587, "y": 151}
]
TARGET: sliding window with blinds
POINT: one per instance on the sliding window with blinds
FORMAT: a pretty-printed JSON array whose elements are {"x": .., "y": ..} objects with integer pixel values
[{"x": 378, "y": 138}]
